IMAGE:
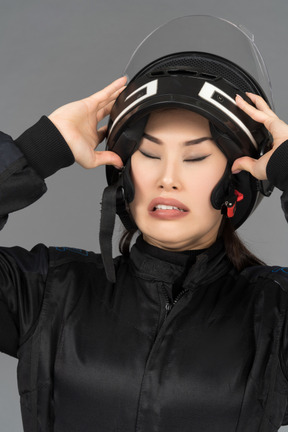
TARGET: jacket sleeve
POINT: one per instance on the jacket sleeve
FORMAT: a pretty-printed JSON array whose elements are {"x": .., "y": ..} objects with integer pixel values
[
  {"x": 24, "y": 164},
  {"x": 277, "y": 173},
  {"x": 22, "y": 282}
]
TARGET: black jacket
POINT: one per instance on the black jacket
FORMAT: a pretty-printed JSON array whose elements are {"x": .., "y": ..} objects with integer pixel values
[{"x": 179, "y": 343}]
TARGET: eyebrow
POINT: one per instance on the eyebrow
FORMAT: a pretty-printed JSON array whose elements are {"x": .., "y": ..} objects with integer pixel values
[{"x": 186, "y": 143}]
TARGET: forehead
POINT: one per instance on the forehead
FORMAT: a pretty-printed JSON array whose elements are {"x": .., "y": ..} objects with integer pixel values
[{"x": 178, "y": 120}]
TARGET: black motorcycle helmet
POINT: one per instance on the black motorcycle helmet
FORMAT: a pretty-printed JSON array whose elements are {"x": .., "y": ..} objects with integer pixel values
[{"x": 198, "y": 63}]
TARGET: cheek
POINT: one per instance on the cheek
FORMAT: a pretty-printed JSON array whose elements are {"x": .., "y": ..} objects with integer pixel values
[
  {"x": 142, "y": 180},
  {"x": 143, "y": 174},
  {"x": 201, "y": 185},
  {"x": 199, "y": 198}
]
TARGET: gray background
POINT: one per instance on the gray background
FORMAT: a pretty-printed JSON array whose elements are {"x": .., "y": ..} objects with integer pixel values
[{"x": 53, "y": 52}]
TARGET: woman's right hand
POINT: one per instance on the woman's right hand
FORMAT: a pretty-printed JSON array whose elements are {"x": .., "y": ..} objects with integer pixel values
[{"x": 78, "y": 122}]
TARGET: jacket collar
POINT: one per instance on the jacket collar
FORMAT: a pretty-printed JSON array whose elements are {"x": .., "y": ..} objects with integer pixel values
[{"x": 152, "y": 263}]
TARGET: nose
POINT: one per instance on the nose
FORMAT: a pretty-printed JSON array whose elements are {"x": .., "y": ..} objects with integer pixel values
[{"x": 169, "y": 178}]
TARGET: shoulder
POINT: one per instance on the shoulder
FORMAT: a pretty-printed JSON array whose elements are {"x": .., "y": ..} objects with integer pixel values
[
  {"x": 63, "y": 254},
  {"x": 276, "y": 274}
]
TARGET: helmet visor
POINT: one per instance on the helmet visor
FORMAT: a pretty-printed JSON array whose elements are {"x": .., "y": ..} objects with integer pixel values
[{"x": 203, "y": 34}]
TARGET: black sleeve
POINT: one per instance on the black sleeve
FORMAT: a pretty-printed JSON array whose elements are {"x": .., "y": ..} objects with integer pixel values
[
  {"x": 277, "y": 173},
  {"x": 36, "y": 154},
  {"x": 22, "y": 283},
  {"x": 44, "y": 148},
  {"x": 24, "y": 164}
]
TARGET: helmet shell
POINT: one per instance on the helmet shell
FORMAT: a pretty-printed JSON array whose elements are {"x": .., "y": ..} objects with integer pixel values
[{"x": 198, "y": 63}]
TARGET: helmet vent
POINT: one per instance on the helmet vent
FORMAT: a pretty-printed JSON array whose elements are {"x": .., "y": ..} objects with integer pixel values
[
  {"x": 201, "y": 65},
  {"x": 186, "y": 72},
  {"x": 182, "y": 72},
  {"x": 158, "y": 73},
  {"x": 207, "y": 76},
  {"x": 174, "y": 71}
]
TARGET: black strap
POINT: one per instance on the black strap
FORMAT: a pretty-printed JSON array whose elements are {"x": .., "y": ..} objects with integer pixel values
[
  {"x": 107, "y": 222},
  {"x": 114, "y": 200},
  {"x": 122, "y": 212}
]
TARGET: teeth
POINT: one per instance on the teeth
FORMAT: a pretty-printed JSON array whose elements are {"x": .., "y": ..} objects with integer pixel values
[{"x": 167, "y": 207}]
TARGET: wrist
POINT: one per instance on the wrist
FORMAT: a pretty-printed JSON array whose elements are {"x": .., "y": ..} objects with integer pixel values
[
  {"x": 277, "y": 171},
  {"x": 45, "y": 148}
]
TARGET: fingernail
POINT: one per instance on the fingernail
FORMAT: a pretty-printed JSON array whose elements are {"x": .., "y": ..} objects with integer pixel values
[
  {"x": 118, "y": 167},
  {"x": 236, "y": 171},
  {"x": 238, "y": 96}
]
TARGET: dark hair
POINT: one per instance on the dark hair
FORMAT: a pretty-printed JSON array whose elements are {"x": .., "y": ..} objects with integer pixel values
[{"x": 236, "y": 251}]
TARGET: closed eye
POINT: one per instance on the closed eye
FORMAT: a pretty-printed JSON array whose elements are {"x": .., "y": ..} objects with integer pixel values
[
  {"x": 197, "y": 159},
  {"x": 147, "y": 155}
]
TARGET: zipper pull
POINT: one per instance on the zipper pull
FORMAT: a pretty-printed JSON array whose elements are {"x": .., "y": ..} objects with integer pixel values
[{"x": 168, "y": 307}]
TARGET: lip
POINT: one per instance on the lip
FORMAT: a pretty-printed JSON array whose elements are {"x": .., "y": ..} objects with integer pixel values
[
  {"x": 167, "y": 214},
  {"x": 167, "y": 201}
]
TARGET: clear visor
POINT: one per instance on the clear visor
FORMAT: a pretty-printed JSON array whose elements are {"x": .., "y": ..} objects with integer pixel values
[{"x": 202, "y": 34}]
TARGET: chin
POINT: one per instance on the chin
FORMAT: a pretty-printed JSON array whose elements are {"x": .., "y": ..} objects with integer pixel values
[
  {"x": 171, "y": 242},
  {"x": 177, "y": 241}
]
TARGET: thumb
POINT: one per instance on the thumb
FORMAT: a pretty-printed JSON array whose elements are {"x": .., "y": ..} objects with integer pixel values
[
  {"x": 107, "y": 158},
  {"x": 245, "y": 163},
  {"x": 256, "y": 167}
]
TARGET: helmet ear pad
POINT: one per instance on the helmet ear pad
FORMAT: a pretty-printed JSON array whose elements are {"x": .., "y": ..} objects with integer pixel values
[
  {"x": 125, "y": 197},
  {"x": 243, "y": 182},
  {"x": 128, "y": 185},
  {"x": 222, "y": 189},
  {"x": 225, "y": 186}
]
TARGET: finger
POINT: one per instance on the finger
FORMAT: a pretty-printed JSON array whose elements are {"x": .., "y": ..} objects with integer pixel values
[
  {"x": 253, "y": 166},
  {"x": 107, "y": 158},
  {"x": 102, "y": 113},
  {"x": 242, "y": 164},
  {"x": 114, "y": 86},
  {"x": 253, "y": 112},
  {"x": 261, "y": 104},
  {"x": 117, "y": 92},
  {"x": 95, "y": 104},
  {"x": 113, "y": 97},
  {"x": 101, "y": 133},
  {"x": 262, "y": 113},
  {"x": 108, "y": 91}
]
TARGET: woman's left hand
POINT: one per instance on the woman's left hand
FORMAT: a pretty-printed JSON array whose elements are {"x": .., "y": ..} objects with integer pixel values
[{"x": 278, "y": 129}]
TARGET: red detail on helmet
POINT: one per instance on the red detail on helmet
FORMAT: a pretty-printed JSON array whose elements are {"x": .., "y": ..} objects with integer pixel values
[
  {"x": 239, "y": 195},
  {"x": 231, "y": 211},
  {"x": 231, "y": 207}
]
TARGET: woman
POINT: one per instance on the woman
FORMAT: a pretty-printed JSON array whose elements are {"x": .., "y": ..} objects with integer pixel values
[{"x": 183, "y": 340}]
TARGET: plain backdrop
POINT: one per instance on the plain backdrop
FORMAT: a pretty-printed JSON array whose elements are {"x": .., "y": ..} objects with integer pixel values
[{"x": 54, "y": 52}]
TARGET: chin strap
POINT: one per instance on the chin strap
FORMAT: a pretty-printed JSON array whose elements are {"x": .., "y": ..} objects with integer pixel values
[
  {"x": 107, "y": 223},
  {"x": 114, "y": 201}
]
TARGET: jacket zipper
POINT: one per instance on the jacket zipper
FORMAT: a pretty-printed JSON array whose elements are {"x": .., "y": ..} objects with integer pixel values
[
  {"x": 169, "y": 305},
  {"x": 167, "y": 308}
]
